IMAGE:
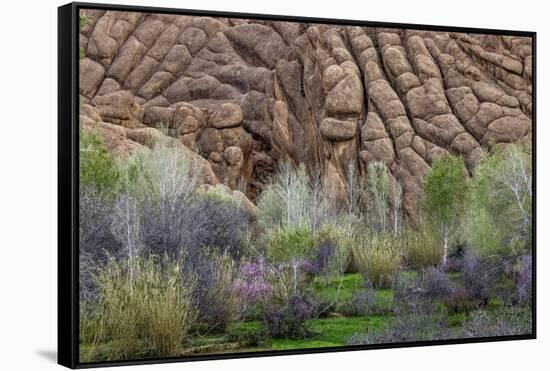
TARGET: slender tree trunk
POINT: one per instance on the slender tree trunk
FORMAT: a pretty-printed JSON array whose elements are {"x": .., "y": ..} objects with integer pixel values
[
  {"x": 395, "y": 222},
  {"x": 445, "y": 248},
  {"x": 294, "y": 269}
]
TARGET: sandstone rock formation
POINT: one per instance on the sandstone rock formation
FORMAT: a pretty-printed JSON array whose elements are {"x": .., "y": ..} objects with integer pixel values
[{"x": 243, "y": 95}]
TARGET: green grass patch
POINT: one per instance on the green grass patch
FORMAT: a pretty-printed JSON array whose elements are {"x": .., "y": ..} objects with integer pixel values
[
  {"x": 332, "y": 332},
  {"x": 341, "y": 290},
  {"x": 328, "y": 332}
]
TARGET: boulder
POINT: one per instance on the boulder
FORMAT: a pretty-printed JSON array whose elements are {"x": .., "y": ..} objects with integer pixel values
[
  {"x": 227, "y": 115},
  {"x": 338, "y": 130},
  {"x": 346, "y": 97},
  {"x": 119, "y": 108},
  {"x": 91, "y": 76}
]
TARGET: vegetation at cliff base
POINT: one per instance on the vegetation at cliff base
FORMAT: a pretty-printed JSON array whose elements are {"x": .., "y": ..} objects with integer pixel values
[{"x": 169, "y": 267}]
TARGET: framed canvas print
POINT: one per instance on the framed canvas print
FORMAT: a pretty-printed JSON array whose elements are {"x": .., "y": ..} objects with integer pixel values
[{"x": 240, "y": 185}]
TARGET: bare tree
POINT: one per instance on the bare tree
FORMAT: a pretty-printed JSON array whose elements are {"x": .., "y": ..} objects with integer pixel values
[
  {"x": 162, "y": 180},
  {"x": 126, "y": 226},
  {"x": 395, "y": 194},
  {"x": 316, "y": 194},
  {"x": 287, "y": 201},
  {"x": 515, "y": 178},
  {"x": 353, "y": 188},
  {"x": 378, "y": 193}
]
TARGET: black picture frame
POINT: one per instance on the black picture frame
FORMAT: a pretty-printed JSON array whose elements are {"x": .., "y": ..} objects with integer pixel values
[{"x": 68, "y": 182}]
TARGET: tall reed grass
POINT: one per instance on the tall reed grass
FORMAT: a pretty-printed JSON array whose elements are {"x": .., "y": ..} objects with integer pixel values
[
  {"x": 378, "y": 258},
  {"x": 421, "y": 248},
  {"x": 143, "y": 308}
]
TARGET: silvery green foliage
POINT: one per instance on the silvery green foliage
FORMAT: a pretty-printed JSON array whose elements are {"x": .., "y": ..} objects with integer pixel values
[{"x": 512, "y": 178}]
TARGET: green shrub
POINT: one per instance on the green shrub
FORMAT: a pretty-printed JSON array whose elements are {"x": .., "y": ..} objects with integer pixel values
[
  {"x": 421, "y": 248},
  {"x": 349, "y": 235},
  {"x": 286, "y": 243},
  {"x": 143, "y": 309},
  {"x": 484, "y": 235},
  {"x": 98, "y": 168},
  {"x": 499, "y": 219},
  {"x": 344, "y": 231},
  {"x": 216, "y": 195},
  {"x": 379, "y": 260},
  {"x": 82, "y": 20}
]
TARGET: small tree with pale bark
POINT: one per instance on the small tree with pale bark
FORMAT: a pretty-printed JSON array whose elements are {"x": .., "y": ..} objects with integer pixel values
[{"x": 445, "y": 199}]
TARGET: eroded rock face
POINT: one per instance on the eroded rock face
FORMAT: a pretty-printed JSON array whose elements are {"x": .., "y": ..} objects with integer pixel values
[{"x": 243, "y": 95}]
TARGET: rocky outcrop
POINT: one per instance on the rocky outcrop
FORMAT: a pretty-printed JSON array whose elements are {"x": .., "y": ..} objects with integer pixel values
[
  {"x": 243, "y": 95},
  {"x": 123, "y": 141}
]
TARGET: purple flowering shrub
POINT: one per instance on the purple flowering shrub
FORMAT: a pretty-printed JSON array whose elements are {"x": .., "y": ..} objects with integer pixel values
[
  {"x": 308, "y": 267},
  {"x": 288, "y": 318},
  {"x": 276, "y": 294},
  {"x": 252, "y": 285}
]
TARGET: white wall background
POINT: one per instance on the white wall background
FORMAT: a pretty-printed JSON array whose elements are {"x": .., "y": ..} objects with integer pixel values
[{"x": 28, "y": 183}]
